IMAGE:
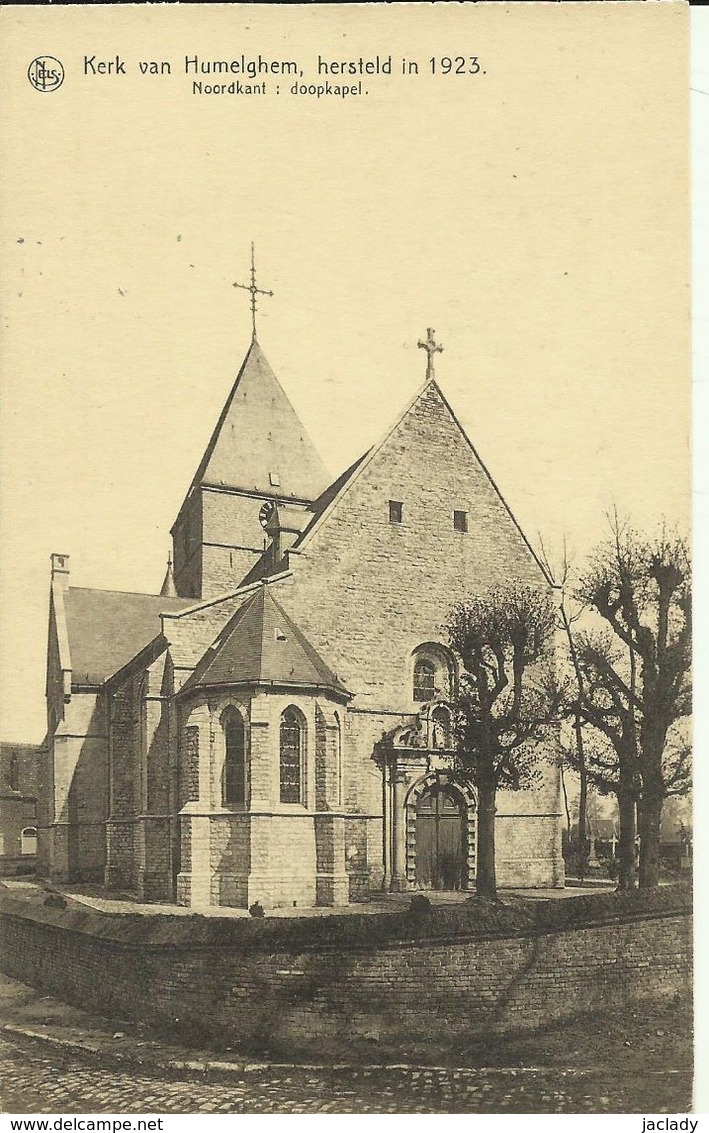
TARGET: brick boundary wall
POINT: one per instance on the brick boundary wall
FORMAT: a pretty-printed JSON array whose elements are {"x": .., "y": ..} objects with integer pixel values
[{"x": 295, "y": 1001}]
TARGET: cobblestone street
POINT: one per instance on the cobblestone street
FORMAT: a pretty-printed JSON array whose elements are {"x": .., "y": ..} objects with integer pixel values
[{"x": 37, "y": 1081}]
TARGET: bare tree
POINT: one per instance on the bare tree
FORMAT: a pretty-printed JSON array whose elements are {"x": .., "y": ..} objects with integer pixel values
[
  {"x": 576, "y": 758},
  {"x": 506, "y": 702},
  {"x": 636, "y": 678},
  {"x": 611, "y": 750}
]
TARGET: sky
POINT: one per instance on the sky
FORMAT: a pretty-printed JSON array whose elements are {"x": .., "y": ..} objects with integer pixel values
[{"x": 535, "y": 214}]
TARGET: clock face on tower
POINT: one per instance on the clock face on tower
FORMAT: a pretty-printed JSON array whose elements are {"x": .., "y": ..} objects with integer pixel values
[{"x": 266, "y": 512}]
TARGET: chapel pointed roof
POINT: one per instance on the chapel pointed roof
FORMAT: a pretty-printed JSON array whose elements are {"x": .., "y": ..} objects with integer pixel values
[
  {"x": 259, "y": 443},
  {"x": 262, "y": 645},
  {"x": 168, "y": 588}
]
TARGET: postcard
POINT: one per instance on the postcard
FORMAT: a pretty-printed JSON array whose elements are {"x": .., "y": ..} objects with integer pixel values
[{"x": 346, "y": 635}]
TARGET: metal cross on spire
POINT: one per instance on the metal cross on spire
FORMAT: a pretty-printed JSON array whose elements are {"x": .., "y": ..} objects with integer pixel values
[
  {"x": 254, "y": 292},
  {"x": 431, "y": 347}
]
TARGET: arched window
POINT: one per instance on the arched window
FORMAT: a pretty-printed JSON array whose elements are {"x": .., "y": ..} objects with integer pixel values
[
  {"x": 28, "y": 840},
  {"x": 441, "y": 728},
  {"x": 234, "y": 777},
  {"x": 424, "y": 679},
  {"x": 291, "y": 753},
  {"x": 433, "y": 672}
]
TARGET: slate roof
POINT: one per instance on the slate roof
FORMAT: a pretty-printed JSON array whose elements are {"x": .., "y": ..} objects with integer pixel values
[
  {"x": 108, "y": 627},
  {"x": 261, "y": 644},
  {"x": 258, "y": 435},
  {"x": 325, "y": 498},
  {"x": 263, "y": 567},
  {"x": 602, "y": 828}
]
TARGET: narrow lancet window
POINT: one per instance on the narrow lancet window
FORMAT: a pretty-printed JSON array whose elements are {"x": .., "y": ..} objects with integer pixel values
[
  {"x": 291, "y": 757},
  {"x": 234, "y": 780}
]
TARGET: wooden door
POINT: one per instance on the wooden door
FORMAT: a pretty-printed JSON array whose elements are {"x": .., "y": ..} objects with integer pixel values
[{"x": 440, "y": 843}]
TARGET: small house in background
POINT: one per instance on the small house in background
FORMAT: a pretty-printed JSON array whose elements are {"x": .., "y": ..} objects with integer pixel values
[
  {"x": 603, "y": 836},
  {"x": 676, "y": 834},
  {"x": 18, "y": 807}
]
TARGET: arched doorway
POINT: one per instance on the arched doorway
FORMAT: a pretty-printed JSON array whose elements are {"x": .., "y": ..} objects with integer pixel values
[{"x": 440, "y": 839}]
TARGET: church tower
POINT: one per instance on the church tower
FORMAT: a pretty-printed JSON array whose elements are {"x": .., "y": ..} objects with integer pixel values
[{"x": 259, "y": 455}]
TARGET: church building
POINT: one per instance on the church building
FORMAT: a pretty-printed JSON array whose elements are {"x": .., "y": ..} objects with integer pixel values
[{"x": 274, "y": 726}]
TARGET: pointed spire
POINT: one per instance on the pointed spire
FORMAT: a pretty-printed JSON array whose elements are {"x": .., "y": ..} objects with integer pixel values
[
  {"x": 168, "y": 588},
  {"x": 259, "y": 444}
]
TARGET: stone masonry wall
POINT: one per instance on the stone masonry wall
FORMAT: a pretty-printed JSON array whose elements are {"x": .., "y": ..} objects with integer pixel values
[
  {"x": 16, "y": 814},
  {"x": 190, "y": 634},
  {"x": 125, "y": 739},
  {"x": 187, "y": 546},
  {"x": 72, "y": 826},
  {"x": 294, "y": 1001},
  {"x": 368, "y": 592},
  {"x": 232, "y": 539}
]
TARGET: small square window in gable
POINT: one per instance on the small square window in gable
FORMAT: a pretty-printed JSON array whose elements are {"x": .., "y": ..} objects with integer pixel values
[
  {"x": 396, "y": 511},
  {"x": 460, "y": 521}
]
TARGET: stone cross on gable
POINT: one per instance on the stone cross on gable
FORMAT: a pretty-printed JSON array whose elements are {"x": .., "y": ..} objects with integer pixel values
[
  {"x": 254, "y": 292},
  {"x": 431, "y": 347}
]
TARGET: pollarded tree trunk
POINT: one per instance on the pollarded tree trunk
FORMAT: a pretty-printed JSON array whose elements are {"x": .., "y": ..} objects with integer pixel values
[
  {"x": 582, "y": 832},
  {"x": 486, "y": 883},
  {"x": 626, "y": 841},
  {"x": 654, "y": 736},
  {"x": 650, "y": 818}
]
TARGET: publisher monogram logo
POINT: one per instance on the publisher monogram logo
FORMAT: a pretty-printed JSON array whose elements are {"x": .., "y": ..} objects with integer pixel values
[{"x": 45, "y": 73}]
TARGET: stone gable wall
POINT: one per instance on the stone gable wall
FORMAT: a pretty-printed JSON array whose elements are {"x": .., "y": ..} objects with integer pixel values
[{"x": 368, "y": 592}]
